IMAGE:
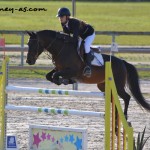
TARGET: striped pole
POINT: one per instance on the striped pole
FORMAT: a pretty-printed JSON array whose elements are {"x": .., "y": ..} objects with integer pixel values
[
  {"x": 53, "y": 91},
  {"x": 55, "y": 111}
]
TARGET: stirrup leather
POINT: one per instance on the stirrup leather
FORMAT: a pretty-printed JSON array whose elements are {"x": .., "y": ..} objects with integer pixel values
[{"x": 87, "y": 71}]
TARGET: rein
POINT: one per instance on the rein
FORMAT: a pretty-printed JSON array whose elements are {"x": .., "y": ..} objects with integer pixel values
[{"x": 50, "y": 45}]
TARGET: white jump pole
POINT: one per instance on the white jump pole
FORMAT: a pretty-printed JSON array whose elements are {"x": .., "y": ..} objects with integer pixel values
[
  {"x": 55, "y": 111},
  {"x": 17, "y": 89}
]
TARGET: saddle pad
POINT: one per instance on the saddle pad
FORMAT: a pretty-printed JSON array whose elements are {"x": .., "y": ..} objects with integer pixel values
[{"x": 98, "y": 60}]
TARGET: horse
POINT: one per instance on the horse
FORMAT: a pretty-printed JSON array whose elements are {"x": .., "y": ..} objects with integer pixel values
[{"x": 69, "y": 66}]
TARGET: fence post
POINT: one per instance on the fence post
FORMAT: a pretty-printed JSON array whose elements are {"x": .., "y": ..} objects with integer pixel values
[
  {"x": 113, "y": 41},
  {"x": 113, "y": 38},
  {"x": 73, "y": 8},
  {"x": 75, "y": 86},
  {"x": 22, "y": 49}
]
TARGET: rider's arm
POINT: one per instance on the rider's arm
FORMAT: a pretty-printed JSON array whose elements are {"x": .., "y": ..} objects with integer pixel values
[{"x": 75, "y": 28}]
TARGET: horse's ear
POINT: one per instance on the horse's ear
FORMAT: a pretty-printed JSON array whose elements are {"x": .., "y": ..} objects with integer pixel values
[
  {"x": 33, "y": 33},
  {"x": 29, "y": 33}
]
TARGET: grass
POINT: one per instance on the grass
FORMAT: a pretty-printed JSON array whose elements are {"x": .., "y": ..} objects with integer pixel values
[
  {"x": 141, "y": 140},
  {"x": 27, "y": 73},
  {"x": 103, "y": 16}
]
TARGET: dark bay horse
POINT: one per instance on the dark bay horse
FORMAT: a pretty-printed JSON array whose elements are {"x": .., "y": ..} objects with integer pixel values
[{"x": 68, "y": 65}]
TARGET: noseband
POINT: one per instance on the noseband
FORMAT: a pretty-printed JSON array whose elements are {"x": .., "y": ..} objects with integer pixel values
[{"x": 37, "y": 52}]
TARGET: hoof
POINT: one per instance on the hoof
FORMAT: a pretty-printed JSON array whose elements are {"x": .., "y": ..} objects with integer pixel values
[
  {"x": 129, "y": 123},
  {"x": 65, "y": 81},
  {"x": 116, "y": 131},
  {"x": 126, "y": 116},
  {"x": 57, "y": 82}
]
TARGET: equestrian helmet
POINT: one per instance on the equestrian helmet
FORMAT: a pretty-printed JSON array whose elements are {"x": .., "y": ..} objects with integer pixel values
[{"x": 63, "y": 12}]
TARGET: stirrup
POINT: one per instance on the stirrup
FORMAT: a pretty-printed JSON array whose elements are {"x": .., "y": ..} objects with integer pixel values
[{"x": 87, "y": 72}]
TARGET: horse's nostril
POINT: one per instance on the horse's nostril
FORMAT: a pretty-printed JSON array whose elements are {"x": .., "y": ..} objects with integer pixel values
[{"x": 28, "y": 61}]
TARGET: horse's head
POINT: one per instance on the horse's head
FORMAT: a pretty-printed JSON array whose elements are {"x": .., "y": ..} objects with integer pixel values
[{"x": 35, "y": 48}]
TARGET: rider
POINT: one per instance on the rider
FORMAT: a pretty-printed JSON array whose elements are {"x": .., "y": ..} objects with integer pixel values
[{"x": 80, "y": 29}]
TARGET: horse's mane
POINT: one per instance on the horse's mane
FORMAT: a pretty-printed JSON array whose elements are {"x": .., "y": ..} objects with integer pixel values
[
  {"x": 48, "y": 33},
  {"x": 52, "y": 33}
]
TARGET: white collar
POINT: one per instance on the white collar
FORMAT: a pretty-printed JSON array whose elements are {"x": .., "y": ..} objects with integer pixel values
[{"x": 67, "y": 24}]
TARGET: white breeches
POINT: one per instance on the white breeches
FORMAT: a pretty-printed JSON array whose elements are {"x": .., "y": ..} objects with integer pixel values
[{"x": 88, "y": 42}]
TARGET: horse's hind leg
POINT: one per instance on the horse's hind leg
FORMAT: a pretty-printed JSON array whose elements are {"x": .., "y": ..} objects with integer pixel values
[
  {"x": 120, "y": 86},
  {"x": 120, "y": 77},
  {"x": 126, "y": 97},
  {"x": 101, "y": 86}
]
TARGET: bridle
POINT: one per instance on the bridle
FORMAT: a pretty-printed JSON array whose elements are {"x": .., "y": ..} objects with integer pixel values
[
  {"x": 49, "y": 47},
  {"x": 37, "y": 53}
]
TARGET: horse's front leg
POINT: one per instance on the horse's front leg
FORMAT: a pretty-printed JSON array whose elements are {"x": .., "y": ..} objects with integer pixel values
[
  {"x": 64, "y": 76},
  {"x": 67, "y": 81},
  {"x": 49, "y": 76},
  {"x": 56, "y": 78}
]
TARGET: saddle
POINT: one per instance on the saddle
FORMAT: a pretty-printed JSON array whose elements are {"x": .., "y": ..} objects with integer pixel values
[{"x": 81, "y": 51}]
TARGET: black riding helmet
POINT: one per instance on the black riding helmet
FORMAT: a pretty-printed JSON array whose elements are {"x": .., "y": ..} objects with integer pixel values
[{"x": 63, "y": 12}]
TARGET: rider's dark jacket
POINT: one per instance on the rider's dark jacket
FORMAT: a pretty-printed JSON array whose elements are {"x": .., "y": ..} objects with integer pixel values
[{"x": 78, "y": 28}]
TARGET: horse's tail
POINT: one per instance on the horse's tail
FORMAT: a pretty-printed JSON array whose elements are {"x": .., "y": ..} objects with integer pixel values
[{"x": 133, "y": 82}]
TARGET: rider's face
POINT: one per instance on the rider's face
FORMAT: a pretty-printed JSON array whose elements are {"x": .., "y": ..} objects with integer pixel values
[{"x": 63, "y": 19}]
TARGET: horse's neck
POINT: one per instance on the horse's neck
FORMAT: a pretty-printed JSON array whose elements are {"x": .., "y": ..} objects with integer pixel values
[
  {"x": 63, "y": 49},
  {"x": 55, "y": 46}
]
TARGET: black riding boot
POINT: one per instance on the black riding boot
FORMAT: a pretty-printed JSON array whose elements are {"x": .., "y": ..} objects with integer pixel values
[{"x": 87, "y": 70}]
